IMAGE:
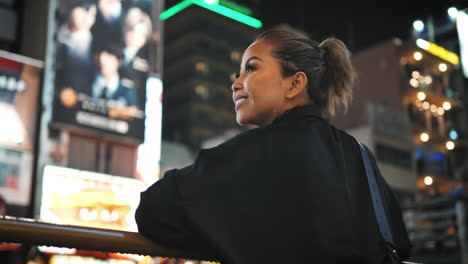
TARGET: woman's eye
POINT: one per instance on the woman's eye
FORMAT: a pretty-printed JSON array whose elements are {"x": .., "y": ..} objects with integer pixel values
[{"x": 249, "y": 68}]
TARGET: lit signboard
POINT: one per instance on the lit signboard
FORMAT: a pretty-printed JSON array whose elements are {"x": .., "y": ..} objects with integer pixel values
[
  {"x": 438, "y": 51},
  {"x": 84, "y": 198}
]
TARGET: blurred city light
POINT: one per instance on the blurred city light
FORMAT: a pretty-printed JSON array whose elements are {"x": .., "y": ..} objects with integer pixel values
[
  {"x": 438, "y": 51},
  {"x": 421, "y": 96},
  {"x": 424, "y": 137},
  {"x": 447, "y": 106},
  {"x": 428, "y": 180},
  {"x": 414, "y": 83},
  {"x": 418, "y": 25},
  {"x": 417, "y": 55},
  {"x": 415, "y": 74},
  {"x": 452, "y": 12},
  {"x": 440, "y": 111},
  {"x": 426, "y": 105},
  {"x": 453, "y": 134},
  {"x": 450, "y": 145},
  {"x": 428, "y": 79},
  {"x": 211, "y": 2},
  {"x": 425, "y": 45},
  {"x": 433, "y": 108},
  {"x": 443, "y": 67}
]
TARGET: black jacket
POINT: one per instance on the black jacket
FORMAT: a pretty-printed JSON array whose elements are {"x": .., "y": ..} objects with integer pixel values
[{"x": 294, "y": 191}]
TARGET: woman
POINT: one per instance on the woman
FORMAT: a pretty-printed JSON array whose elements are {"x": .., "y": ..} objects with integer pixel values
[{"x": 293, "y": 190}]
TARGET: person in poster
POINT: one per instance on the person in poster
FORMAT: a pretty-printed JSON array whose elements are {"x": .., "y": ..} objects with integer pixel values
[
  {"x": 136, "y": 34},
  {"x": 102, "y": 65},
  {"x": 75, "y": 40}
]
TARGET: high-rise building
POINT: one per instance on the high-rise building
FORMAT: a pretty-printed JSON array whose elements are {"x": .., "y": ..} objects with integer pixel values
[{"x": 203, "y": 42}]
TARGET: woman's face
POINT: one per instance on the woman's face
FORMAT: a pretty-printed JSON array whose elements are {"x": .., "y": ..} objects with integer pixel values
[{"x": 259, "y": 93}]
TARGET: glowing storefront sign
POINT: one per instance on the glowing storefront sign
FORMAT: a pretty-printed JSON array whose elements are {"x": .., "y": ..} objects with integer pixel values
[{"x": 438, "y": 51}]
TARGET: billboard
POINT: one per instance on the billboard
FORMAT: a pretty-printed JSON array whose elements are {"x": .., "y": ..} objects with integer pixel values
[
  {"x": 101, "y": 66},
  {"x": 77, "y": 197},
  {"x": 462, "y": 28},
  {"x": 20, "y": 79}
]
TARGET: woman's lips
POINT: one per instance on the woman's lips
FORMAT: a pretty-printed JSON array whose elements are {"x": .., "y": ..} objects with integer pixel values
[{"x": 239, "y": 102}]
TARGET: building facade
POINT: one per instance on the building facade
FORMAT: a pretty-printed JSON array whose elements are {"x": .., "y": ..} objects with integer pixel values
[
  {"x": 202, "y": 53},
  {"x": 408, "y": 108}
]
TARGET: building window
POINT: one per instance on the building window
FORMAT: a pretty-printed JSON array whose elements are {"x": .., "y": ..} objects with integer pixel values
[
  {"x": 202, "y": 67},
  {"x": 236, "y": 56},
  {"x": 394, "y": 156},
  {"x": 202, "y": 91}
]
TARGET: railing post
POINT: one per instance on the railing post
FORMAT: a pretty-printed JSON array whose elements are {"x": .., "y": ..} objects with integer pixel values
[{"x": 460, "y": 208}]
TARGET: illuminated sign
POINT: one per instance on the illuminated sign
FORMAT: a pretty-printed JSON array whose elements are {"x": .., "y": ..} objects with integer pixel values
[
  {"x": 220, "y": 7},
  {"x": 462, "y": 27},
  {"x": 84, "y": 198},
  {"x": 438, "y": 51}
]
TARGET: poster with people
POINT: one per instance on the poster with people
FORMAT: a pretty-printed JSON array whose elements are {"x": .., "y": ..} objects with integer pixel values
[{"x": 102, "y": 65}]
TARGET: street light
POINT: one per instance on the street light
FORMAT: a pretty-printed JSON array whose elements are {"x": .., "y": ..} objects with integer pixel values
[
  {"x": 450, "y": 145},
  {"x": 421, "y": 96},
  {"x": 428, "y": 180},
  {"x": 446, "y": 105},
  {"x": 417, "y": 55},
  {"x": 443, "y": 67},
  {"x": 452, "y": 12},
  {"x": 424, "y": 137},
  {"x": 418, "y": 25}
]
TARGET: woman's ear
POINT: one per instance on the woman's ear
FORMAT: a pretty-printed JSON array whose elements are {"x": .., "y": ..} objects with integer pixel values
[{"x": 298, "y": 85}]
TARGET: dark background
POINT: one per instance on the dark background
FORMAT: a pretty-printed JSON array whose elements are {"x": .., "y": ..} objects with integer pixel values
[{"x": 359, "y": 24}]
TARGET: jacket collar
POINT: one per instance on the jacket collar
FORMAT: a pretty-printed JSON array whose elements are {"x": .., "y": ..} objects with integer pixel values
[{"x": 299, "y": 112}]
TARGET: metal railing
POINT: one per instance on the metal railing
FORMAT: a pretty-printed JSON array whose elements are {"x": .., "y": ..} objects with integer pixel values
[
  {"x": 32, "y": 232},
  {"x": 438, "y": 226}
]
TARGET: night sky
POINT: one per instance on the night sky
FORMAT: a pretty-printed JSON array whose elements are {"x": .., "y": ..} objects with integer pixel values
[{"x": 359, "y": 25}]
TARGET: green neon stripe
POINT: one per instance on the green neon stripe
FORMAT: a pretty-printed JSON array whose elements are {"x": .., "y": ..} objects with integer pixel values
[
  {"x": 215, "y": 8},
  {"x": 230, "y": 13},
  {"x": 175, "y": 9}
]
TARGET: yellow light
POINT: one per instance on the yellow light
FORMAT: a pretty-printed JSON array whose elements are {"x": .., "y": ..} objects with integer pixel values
[
  {"x": 421, "y": 96},
  {"x": 424, "y": 137},
  {"x": 426, "y": 105},
  {"x": 428, "y": 180},
  {"x": 450, "y": 145},
  {"x": 440, "y": 111},
  {"x": 421, "y": 79},
  {"x": 418, "y": 103},
  {"x": 417, "y": 55},
  {"x": 433, "y": 108},
  {"x": 414, "y": 83},
  {"x": 443, "y": 67},
  {"x": 438, "y": 51},
  {"x": 415, "y": 74},
  {"x": 447, "y": 106},
  {"x": 428, "y": 79}
]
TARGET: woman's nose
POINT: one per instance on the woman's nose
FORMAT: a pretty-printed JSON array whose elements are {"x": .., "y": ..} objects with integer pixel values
[{"x": 236, "y": 85}]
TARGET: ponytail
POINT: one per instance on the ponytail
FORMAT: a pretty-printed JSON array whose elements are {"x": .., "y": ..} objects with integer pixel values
[
  {"x": 338, "y": 77},
  {"x": 330, "y": 75}
]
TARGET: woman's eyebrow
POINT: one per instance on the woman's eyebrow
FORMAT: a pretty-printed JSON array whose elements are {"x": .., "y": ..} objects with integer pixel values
[{"x": 251, "y": 58}]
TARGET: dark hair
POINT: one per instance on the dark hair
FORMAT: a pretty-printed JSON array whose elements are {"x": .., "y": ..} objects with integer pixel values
[
  {"x": 327, "y": 66},
  {"x": 113, "y": 48},
  {"x": 86, "y": 4}
]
